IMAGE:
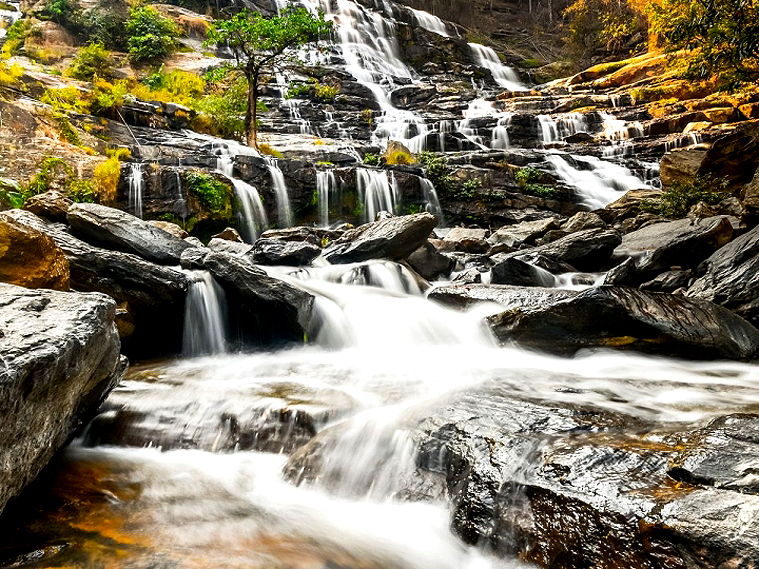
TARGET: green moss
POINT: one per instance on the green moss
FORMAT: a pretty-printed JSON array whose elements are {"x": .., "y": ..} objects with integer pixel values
[
  {"x": 212, "y": 194},
  {"x": 531, "y": 63}
]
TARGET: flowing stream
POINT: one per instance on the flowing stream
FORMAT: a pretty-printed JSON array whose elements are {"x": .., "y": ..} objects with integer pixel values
[{"x": 171, "y": 490}]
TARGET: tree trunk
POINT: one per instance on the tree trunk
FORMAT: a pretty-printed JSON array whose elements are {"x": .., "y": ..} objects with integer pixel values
[{"x": 251, "y": 115}]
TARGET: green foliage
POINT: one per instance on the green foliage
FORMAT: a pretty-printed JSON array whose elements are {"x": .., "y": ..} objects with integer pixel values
[
  {"x": 213, "y": 194},
  {"x": 258, "y": 44},
  {"x": 51, "y": 168},
  {"x": 540, "y": 190},
  {"x": 92, "y": 60},
  {"x": 268, "y": 149},
  {"x": 398, "y": 157},
  {"x": 367, "y": 115},
  {"x": 58, "y": 11},
  {"x": 676, "y": 201},
  {"x": 601, "y": 26},
  {"x": 371, "y": 159},
  {"x": 723, "y": 34},
  {"x": 528, "y": 175},
  {"x": 152, "y": 37},
  {"x": 107, "y": 175},
  {"x": 436, "y": 169},
  {"x": 175, "y": 87},
  {"x": 82, "y": 191},
  {"x": 11, "y": 193},
  {"x": 16, "y": 36},
  {"x": 312, "y": 89},
  {"x": 65, "y": 129}
]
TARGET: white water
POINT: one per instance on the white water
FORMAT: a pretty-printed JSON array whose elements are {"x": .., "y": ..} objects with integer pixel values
[
  {"x": 621, "y": 134},
  {"x": 136, "y": 183},
  {"x": 431, "y": 22},
  {"x": 326, "y": 186},
  {"x": 500, "y": 137},
  {"x": 504, "y": 75},
  {"x": 205, "y": 317},
  {"x": 376, "y": 192},
  {"x": 432, "y": 203},
  {"x": 284, "y": 211}
]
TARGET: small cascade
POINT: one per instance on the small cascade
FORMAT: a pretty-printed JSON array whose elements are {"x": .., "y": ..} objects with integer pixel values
[
  {"x": 620, "y": 133},
  {"x": 136, "y": 183},
  {"x": 284, "y": 211},
  {"x": 504, "y": 75},
  {"x": 549, "y": 131},
  {"x": 579, "y": 281},
  {"x": 599, "y": 183},
  {"x": 9, "y": 14},
  {"x": 432, "y": 203},
  {"x": 205, "y": 316},
  {"x": 431, "y": 23},
  {"x": 500, "y": 137},
  {"x": 377, "y": 192},
  {"x": 180, "y": 207},
  {"x": 445, "y": 127},
  {"x": 326, "y": 186},
  {"x": 555, "y": 129},
  {"x": 683, "y": 141}
]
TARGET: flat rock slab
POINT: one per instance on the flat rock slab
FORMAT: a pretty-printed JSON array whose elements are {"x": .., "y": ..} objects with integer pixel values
[
  {"x": 60, "y": 354},
  {"x": 630, "y": 319},
  {"x": 115, "y": 229},
  {"x": 510, "y": 297}
]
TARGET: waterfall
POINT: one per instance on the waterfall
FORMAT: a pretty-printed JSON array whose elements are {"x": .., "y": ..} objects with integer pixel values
[
  {"x": 284, "y": 211},
  {"x": 326, "y": 186},
  {"x": 430, "y": 22},
  {"x": 136, "y": 182},
  {"x": 620, "y": 133},
  {"x": 549, "y": 131},
  {"x": 500, "y": 137},
  {"x": 503, "y": 74},
  {"x": 432, "y": 203},
  {"x": 376, "y": 192},
  {"x": 205, "y": 316}
]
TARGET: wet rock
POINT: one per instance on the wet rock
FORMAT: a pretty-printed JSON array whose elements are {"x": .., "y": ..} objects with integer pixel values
[
  {"x": 729, "y": 277},
  {"x": 51, "y": 205},
  {"x": 514, "y": 236},
  {"x": 291, "y": 253},
  {"x": 669, "y": 281},
  {"x": 394, "y": 238},
  {"x": 29, "y": 258},
  {"x": 115, "y": 229},
  {"x": 684, "y": 243},
  {"x": 583, "y": 220},
  {"x": 630, "y": 319},
  {"x": 314, "y": 235},
  {"x": 629, "y": 205},
  {"x": 468, "y": 240},
  {"x": 515, "y": 271},
  {"x": 265, "y": 309},
  {"x": 153, "y": 295},
  {"x": 464, "y": 296},
  {"x": 60, "y": 355},
  {"x": 232, "y": 247},
  {"x": 171, "y": 228},
  {"x": 623, "y": 274},
  {"x": 429, "y": 262},
  {"x": 229, "y": 234}
]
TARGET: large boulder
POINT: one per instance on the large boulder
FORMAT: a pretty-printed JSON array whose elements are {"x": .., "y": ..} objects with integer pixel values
[
  {"x": 515, "y": 271},
  {"x": 393, "y": 238},
  {"x": 731, "y": 277},
  {"x": 60, "y": 354},
  {"x": 266, "y": 310},
  {"x": 151, "y": 297},
  {"x": 51, "y": 205},
  {"x": 681, "y": 243},
  {"x": 630, "y": 319},
  {"x": 30, "y": 258},
  {"x": 429, "y": 262},
  {"x": 116, "y": 229},
  {"x": 291, "y": 253},
  {"x": 513, "y": 236},
  {"x": 464, "y": 296}
]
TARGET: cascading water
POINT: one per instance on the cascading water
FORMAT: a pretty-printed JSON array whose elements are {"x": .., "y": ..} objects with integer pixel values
[
  {"x": 136, "y": 182},
  {"x": 326, "y": 187},
  {"x": 284, "y": 211},
  {"x": 431, "y": 23},
  {"x": 205, "y": 318},
  {"x": 500, "y": 137},
  {"x": 376, "y": 192},
  {"x": 620, "y": 133},
  {"x": 432, "y": 203},
  {"x": 504, "y": 75}
]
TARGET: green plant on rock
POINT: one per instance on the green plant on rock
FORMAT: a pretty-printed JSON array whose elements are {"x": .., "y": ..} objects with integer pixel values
[
  {"x": 15, "y": 37},
  {"x": 91, "y": 61},
  {"x": 367, "y": 116},
  {"x": 313, "y": 89},
  {"x": 107, "y": 175},
  {"x": 152, "y": 37},
  {"x": 675, "y": 202},
  {"x": 399, "y": 157},
  {"x": 11, "y": 193},
  {"x": 51, "y": 169},
  {"x": 436, "y": 170},
  {"x": 82, "y": 191},
  {"x": 213, "y": 194},
  {"x": 528, "y": 175},
  {"x": 66, "y": 130},
  {"x": 371, "y": 159},
  {"x": 539, "y": 190}
]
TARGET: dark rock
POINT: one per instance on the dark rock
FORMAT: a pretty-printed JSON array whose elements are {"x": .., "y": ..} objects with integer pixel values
[
  {"x": 668, "y": 281},
  {"x": 394, "y": 238},
  {"x": 292, "y": 253},
  {"x": 526, "y": 232},
  {"x": 267, "y": 310},
  {"x": 684, "y": 242},
  {"x": 115, "y": 229},
  {"x": 468, "y": 240},
  {"x": 51, "y": 205},
  {"x": 232, "y": 247},
  {"x": 314, "y": 235},
  {"x": 623, "y": 274},
  {"x": 429, "y": 262},
  {"x": 30, "y": 258},
  {"x": 729, "y": 277},
  {"x": 578, "y": 137},
  {"x": 629, "y": 205},
  {"x": 515, "y": 271},
  {"x": 630, "y": 319},
  {"x": 153, "y": 295},
  {"x": 583, "y": 220},
  {"x": 60, "y": 355}
]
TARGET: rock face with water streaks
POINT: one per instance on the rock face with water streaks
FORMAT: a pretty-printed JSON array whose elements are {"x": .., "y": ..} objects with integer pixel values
[
  {"x": 393, "y": 238},
  {"x": 60, "y": 355},
  {"x": 630, "y": 319},
  {"x": 115, "y": 229}
]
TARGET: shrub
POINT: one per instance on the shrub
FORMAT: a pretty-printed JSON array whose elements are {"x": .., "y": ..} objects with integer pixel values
[
  {"x": 223, "y": 108},
  {"x": 59, "y": 11},
  {"x": 528, "y": 175},
  {"x": 51, "y": 169},
  {"x": 371, "y": 159},
  {"x": 676, "y": 201},
  {"x": 92, "y": 60},
  {"x": 212, "y": 194},
  {"x": 82, "y": 191},
  {"x": 436, "y": 169},
  {"x": 16, "y": 36},
  {"x": 267, "y": 149},
  {"x": 66, "y": 130},
  {"x": 540, "y": 190},
  {"x": 314, "y": 90},
  {"x": 152, "y": 37},
  {"x": 398, "y": 157},
  {"x": 11, "y": 193},
  {"x": 107, "y": 175},
  {"x": 176, "y": 87}
]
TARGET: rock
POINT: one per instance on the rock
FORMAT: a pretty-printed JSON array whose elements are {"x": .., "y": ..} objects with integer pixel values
[
  {"x": 153, "y": 295},
  {"x": 750, "y": 110},
  {"x": 468, "y": 240},
  {"x": 463, "y": 296},
  {"x": 630, "y": 319},
  {"x": 623, "y": 274},
  {"x": 526, "y": 232},
  {"x": 395, "y": 148},
  {"x": 292, "y": 253},
  {"x": 232, "y": 247},
  {"x": 394, "y": 239},
  {"x": 314, "y": 235},
  {"x": 51, "y": 205},
  {"x": 515, "y": 271},
  {"x": 429, "y": 262},
  {"x": 684, "y": 242},
  {"x": 267, "y": 309},
  {"x": 578, "y": 137},
  {"x": 60, "y": 354},
  {"x": 669, "y": 281},
  {"x": 628, "y": 205},
  {"x": 118, "y": 230},
  {"x": 751, "y": 194},
  {"x": 29, "y": 258},
  {"x": 583, "y": 220},
  {"x": 729, "y": 277},
  {"x": 229, "y": 234},
  {"x": 171, "y": 228},
  {"x": 194, "y": 241},
  {"x": 700, "y": 211}
]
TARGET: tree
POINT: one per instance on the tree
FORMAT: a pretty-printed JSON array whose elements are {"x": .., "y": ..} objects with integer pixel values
[
  {"x": 151, "y": 36},
  {"x": 722, "y": 34},
  {"x": 259, "y": 44}
]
